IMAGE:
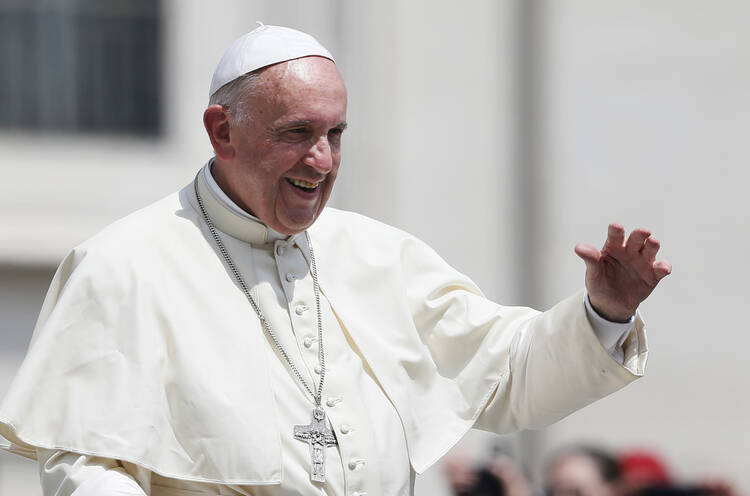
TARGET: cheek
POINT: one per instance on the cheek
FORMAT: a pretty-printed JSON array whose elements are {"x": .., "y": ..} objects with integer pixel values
[
  {"x": 271, "y": 169},
  {"x": 280, "y": 162}
]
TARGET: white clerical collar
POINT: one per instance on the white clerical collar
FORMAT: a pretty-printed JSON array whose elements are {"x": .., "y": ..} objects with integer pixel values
[{"x": 229, "y": 217}]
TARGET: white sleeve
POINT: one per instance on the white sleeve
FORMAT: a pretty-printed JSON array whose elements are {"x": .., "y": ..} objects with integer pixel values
[
  {"x": 72, "y": 474},
  {"x": 610, "y": 334}
]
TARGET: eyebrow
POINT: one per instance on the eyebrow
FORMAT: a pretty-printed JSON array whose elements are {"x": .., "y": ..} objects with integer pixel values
[
  {"x": 304, "y": 122},
  {"x": 299, "y": 123}
]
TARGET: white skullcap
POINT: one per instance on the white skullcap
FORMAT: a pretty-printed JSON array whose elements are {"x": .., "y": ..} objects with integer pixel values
[{"x": 261, "y": 47}]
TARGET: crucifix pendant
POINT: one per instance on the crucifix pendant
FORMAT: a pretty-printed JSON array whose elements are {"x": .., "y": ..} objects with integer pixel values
[{"x": 318, "y": 436}]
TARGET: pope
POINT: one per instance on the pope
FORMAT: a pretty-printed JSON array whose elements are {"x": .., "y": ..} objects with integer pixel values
[{"x": 241, "y": 338}]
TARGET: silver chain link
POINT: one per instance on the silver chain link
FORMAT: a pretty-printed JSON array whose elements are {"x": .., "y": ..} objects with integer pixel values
[{"x": 271, "y": 334}]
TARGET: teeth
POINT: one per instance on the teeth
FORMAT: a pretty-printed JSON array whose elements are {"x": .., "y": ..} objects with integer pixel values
[{"x": 304, "y": 184}]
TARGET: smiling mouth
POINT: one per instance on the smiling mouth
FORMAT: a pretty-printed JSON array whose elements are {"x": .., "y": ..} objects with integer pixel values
[{"x": 303, "y": 185}]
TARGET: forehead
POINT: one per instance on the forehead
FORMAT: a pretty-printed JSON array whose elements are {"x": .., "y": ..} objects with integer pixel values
[{"x": 309, "y": 84}]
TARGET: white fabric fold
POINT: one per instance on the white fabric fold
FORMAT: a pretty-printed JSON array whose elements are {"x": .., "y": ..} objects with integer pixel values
[{"x": 71, "y": 474}]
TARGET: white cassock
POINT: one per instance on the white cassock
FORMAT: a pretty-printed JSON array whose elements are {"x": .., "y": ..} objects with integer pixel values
[{"x": 148, "y": 364}]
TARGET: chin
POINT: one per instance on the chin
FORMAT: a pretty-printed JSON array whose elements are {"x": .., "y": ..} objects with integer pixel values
[
  {"x": 296, "y": 220},
  {"x": 296, "y": 225}
]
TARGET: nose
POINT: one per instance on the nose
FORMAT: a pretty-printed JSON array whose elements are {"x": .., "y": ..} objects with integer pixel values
[{"x": 320, "y": 156}]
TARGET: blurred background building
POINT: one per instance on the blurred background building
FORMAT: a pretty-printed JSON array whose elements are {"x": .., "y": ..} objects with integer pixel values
[{"x": 500, "y": 132}]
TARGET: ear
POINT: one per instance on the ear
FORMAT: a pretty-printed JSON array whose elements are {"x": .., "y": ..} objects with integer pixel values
[{"x": 216, "y": 121}]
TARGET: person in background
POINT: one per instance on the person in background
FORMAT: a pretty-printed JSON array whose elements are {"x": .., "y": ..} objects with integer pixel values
[
  {"x": 500, "y": 475},
  {"x": 583, "y": 471},
  {"x": 641, "y": 469},
  {"x": 645, "y": 473}
]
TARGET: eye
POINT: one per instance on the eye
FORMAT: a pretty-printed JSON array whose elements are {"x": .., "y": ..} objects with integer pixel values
[
  {"x": 335, "y": 134},
  {"x": 295, "y": 134}
]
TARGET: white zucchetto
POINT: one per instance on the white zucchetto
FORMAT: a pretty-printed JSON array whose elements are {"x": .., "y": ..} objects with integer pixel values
[{"x": 261, "y": 47}]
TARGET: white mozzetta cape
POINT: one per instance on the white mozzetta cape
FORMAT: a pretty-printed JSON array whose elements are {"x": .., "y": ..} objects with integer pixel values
[{"x": 146, "y": 351}]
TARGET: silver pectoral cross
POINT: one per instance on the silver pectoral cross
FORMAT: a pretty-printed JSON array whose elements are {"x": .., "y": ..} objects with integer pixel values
[{"x": 318, "y": 436}]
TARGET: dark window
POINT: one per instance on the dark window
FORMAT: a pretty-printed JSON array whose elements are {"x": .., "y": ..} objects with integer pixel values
[{"x": 81, "y": 65}]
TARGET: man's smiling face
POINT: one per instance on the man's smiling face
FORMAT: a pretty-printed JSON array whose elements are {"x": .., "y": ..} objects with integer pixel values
[{"x": 288, "y": 151}]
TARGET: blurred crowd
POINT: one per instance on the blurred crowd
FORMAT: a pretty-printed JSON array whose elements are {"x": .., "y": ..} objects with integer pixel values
[{"x": 578, "y": 471}]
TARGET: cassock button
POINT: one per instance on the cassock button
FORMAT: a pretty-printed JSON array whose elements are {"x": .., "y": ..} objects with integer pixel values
[
  {"x": 346, "y": 429},
  {"x": 290, "y": 277},
  {"x": 280, "y": 250},
  {"x": 307, "y": 342},
  {"x": 317, "y": 369},
  {"x": 331, "y": 402},
  {"x": 354, "y": 463},
  {"x": 300, "y": 309}
]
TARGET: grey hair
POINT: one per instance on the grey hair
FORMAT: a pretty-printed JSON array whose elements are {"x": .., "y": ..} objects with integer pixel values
[{"x": 234, "y": 94}]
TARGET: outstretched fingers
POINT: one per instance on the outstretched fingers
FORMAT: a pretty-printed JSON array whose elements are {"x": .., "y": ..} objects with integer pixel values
[{"x": 638, "y": 252}]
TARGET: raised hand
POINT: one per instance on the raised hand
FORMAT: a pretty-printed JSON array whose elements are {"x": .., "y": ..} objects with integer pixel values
[{"x": 624, "y": 273}]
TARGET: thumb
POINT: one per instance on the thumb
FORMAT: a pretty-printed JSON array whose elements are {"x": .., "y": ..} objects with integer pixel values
[{"x": 588, "y": 253}]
